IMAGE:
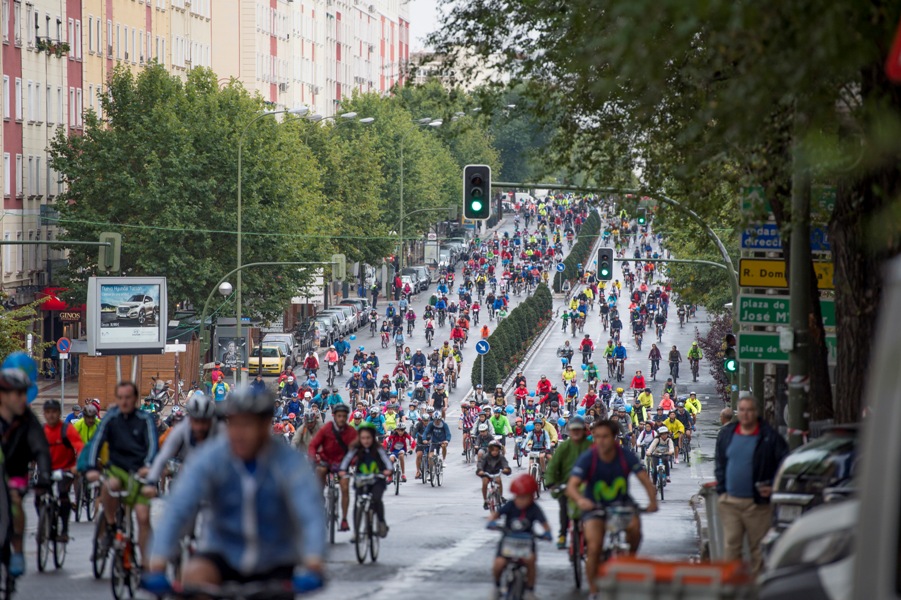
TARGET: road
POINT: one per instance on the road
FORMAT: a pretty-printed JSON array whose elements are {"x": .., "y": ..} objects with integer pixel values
[{"x": 438, "y": 537}]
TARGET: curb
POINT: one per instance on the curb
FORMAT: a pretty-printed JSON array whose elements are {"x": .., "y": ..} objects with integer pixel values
[{"x": 699, "y": 510}]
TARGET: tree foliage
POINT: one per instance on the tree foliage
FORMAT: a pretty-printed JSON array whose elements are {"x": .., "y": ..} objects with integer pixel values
[
  {"x": 15, "y": 324},
  {"x": 162, "y": 169}
]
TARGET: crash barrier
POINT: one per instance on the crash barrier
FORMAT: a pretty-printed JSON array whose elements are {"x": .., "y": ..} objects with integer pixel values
[{"x": 632, "y": 578}]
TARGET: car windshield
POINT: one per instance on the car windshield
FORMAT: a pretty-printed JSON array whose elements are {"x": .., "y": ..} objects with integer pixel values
[
  {"x": 267, "y": 352},
  {"x": 137, "y": 298}
]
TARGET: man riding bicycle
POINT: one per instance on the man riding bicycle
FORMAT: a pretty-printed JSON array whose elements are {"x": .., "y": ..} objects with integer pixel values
[
  {"x": 560, "y": 465},
  {"x": 491, "y": 464},
  {"x": 661, "y": 446},
  {"x": 328, "y": 448}
]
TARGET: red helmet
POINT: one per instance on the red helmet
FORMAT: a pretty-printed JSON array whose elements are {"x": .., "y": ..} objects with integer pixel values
[{"x": 524, "y": 485}]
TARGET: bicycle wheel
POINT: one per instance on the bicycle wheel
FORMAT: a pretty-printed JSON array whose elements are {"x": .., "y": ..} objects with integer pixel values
[
  {"x": 439, "y": 473},
  {"x": 517, "y": 454},
  {"x": 99, "y": 550},
  {"x": 396, "y": 480},
  {"x": 79, "y": 492},
  {"x": 423, "y": 467},
  {"x": 372, "y": 526},
  {"x": 59, "y": 547},
  {"x": 120, "y": 579},
  {"x": 661, "y": 483},
  {"x": 43, "y": 535},
  {"x": 467, "y": 450},
  {"x": 432, "y": 473},
  {"x": 361, "y": 543},
  {"x": 686, "y": 451},
  {"x": 332, "y": 513},
  {"x": 575, "y": 554},
  {"x": 90, "y": 500}
]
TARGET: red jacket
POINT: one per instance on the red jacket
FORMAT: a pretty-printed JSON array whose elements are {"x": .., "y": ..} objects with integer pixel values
[
  {"x": 586, "y": 344},
  {"x": 638, "y": 383},
  {"x": 62, "y": 455},
  {"x": 543, "y": 387},
  {"x": 325, "y": 444}
]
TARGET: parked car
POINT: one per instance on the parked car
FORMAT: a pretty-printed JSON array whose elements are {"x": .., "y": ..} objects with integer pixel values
[
  {"x": 425, "y": 276},
  {"x": 286, "y": 350},
  {"x": 285, "y": 338},
  {"x": 362, "y": 306},
  {"x": 416, "y": 276},
  {"x": 408, "y": 279},
  {"x": 319, "y": 328},
  {"x": 344, "y": 325},
  {"x": 351, "y": 313},
  {"x": 273, "y": 358},
  {"x": 819, "y": 472}
]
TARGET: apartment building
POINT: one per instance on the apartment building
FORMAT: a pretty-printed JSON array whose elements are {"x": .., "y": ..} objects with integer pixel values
[{"x": 57, "y": 56}]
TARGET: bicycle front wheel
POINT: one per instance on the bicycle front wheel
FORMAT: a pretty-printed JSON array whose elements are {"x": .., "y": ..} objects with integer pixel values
[
  {"x": 575, "y": 554},
  {"x": 100, "y": 550},
  {"x": 59, "y": 546},
  {"x": 332, "y": 513},
  {"x": 120, "y": 579},
  {"x": 45, "y": 527},
  {"x": 373, "y": 527},
  {"x": 361, "y": 535}
]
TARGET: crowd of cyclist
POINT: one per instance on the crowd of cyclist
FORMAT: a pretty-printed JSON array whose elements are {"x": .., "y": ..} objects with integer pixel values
[{"x": 379, "y": 416}]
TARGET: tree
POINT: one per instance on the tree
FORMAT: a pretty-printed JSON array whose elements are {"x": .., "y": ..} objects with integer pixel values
[
  {"x": 15, "y": 324},
  {"x": 760, "y": 84},
  {"x": 162, "y": 169}
]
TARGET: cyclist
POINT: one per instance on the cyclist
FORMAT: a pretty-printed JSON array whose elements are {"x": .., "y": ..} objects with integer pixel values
[
  {"x": 676, "y": 429},
  {"x": 437, "y": 433},
  {"x": 398, "y": 443},
  {"x": 685, "y": 418},
  {"x": 675, "y": 357},
  {"x": 184, "y": 438},
  {"x": 646, "y": 437},
  {"x": 692, "y": 405},
  {"x": 520, "y": 516},
  {"x": 661, "y": 446},
  {"x": 264, "y": 507},
  {"x": 500, "y": 425},
  {"x": 694, "y": 353},
  {"x": 605, "y": 469},
  {"x": 327, "y": 450},
  {"x": 306, "y": 432},
  {"x": 87, "y": 425},
  {"x": 492, "y": 463},
  {"x": 132, "y": 439},
  {"x": 65, "y": 446},
  {"x": 538, "y": 440},
  {"x": 370, "y": 458},
  {"x": 620, "y": 355},
  {"x": 559, "y": 467},
  {"x": 638, "y": 383}
]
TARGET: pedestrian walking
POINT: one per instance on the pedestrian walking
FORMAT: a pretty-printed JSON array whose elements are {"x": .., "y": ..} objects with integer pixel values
[{"x": 748, "y": 455}]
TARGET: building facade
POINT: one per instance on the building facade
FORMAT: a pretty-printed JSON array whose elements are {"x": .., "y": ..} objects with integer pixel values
[{"x": 57, "y": 56}]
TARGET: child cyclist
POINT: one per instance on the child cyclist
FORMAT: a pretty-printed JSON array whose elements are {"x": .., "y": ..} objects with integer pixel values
[
  {"x": 398, "y": 443},
  {"x": 519, "y": 517}
]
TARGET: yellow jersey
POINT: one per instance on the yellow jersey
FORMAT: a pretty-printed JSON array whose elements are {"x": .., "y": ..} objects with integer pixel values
[{"x": 675, "y": 426}]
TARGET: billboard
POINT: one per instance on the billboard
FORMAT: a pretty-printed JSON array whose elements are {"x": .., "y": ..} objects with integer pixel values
[
  {"x": 127, "y": 315},
  {"x": 230, "y": 352}
]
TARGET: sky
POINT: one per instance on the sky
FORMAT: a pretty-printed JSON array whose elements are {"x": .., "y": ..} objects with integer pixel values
[{"x": 423, "y": 21}]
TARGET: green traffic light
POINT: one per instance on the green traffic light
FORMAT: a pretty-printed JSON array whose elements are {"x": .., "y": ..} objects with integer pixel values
[
  {"x": 730, "y": 365},
  {"x": 476, "y": 205}
]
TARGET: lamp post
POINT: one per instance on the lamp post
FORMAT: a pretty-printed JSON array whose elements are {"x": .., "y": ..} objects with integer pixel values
[
  {"x": 400, "y": 241},
  {"x": 225, "y": 290},
  {"x": 293, "y": 111}
]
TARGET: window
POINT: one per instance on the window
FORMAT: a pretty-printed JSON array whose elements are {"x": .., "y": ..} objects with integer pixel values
[
  {"x": 37, "y": 114},
  {"x": 59, "y": 28},
  {"x": 18, "y": 174},
  {"x": 59, "y": 106},
  {"x": 5, "y": 20},
  {"x": 99, "y": 37},
  {"x": 91, "y": 96},
  {"x": 118, "y": 41},
  {"x": 18, "y": 99},
  {"x": 77, "y": 47},
  {"x": 72, "y": 121},
  {"x": 37, "y": 172},
  {"x": 71, "y": 38},
  {"x": 49, "y": 106},
  {"x": 7, "y": 175},
  {"x": 7, "y": 253},
  {"x": 91, "y": 34},
  {"x": 79, "y": 107},
  {"x": 19, "y": 253},
  {"x": 141, "y": 44},
  {"x": 134, "y": 45},
  {"x": 163, "y": 60},
  {"x": 17, "y": 22},
  {"x": 31, "y": 111},
  {"x": 6, "y": 98},
  {"x": 29, "y": 182},
  {"x": 100, "y": 101}
]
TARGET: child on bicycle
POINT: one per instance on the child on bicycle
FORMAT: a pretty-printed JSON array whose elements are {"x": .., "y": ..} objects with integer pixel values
[{"x": 519, "y": 515}]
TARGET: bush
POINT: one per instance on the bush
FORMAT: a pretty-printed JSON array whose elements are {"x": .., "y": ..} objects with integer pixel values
[
  {"x": 581, "y": 251},
  {"x": 512, "y": 338}
]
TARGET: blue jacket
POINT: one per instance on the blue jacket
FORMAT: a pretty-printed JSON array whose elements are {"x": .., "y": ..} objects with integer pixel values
[
  {"x": 437, "y": 434},
  {"x": 342, "y": 347},
  {"x": 620, "y": 352},
  {"x": 271, "y": 516},
  {"x": 379, "y": 423}
]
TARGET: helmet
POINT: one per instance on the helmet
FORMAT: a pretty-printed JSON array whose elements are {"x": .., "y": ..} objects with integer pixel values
[
  {"x": 278, "y": 428},
  {"x": 553, "y": 387},
  {"x": 555, "y": 404},
  {"x": 661, "y": 430},
  {"x": 682, "y": 404},
  {"x": 199, "y": 406},
  {"x": 290, "y": 379},
  {"x": 90, "y": 410},
  {"x": 14, "y": 379},
  {"x": 367, "y": 426},
  {"x": 374, "y": 410},
  {"x": 486, "y": 410},
  {"x": 332, "y": 347},
  {"x": 358, "y": 415},
  {"x": 647, "y": 390},
  {"x": 437, "y": 417},
  {"x": 52, "y": 405},
  {"x": 430, "y": 409},
  {"x": 292, "y": 416},
  {"x": 577, "y": 422},
  {"x": 524, "y": 485},
  {"x": 498, "y": 410},
  {"x": 519, "y": 420},
  {"x": 464, "y": 404},
  {"x": 340, "y": 407},
  {"x": 244, "y": 400},
  {"x": 619, "y": 390},
  {"x": 401, "y": 427},
  {"x": 479, "y": 386},
  {"x": 539, "y": 419},
  {"x": 309, "y": 417},
  {"x": 307, "y": 395},
  {"x": 483, "y": 427},
  {"x": 495, "y": 444}
]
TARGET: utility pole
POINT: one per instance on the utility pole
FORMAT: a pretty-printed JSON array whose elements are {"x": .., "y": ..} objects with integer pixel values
[{"x": 799, "y": 283}]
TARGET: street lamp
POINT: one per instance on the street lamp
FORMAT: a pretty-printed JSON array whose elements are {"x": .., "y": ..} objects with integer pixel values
[{"x": 303, "y": 110}]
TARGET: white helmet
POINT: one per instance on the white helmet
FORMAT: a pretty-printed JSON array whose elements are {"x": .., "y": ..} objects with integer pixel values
[
  {"x": 483, "y": 427},
  {"x": 661, "y": 430},
  {"x": 200, "y": 406}
]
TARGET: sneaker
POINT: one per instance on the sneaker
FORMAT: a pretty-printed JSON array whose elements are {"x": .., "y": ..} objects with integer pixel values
[
  {"x": 668, "y": 480},
  {"x": 403, "y": 479},
  {"x": 383, "y": 529},
  {"x": 484, "y": 506},
  {"x": 344, "y": 525},
  {"x": 561, "y": 542},
  {"x": 17, "y": 565},
  {"x": 677, "y": 460},
  {"x": 418, "y": 474}
]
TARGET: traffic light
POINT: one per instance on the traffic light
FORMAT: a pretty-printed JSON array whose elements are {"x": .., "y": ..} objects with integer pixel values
[
  {"x": 476, "y": 192},
  {"x": 109, "y": 257},
  {"x": 730, "y": 358},
  {"x": 643, "y": 218},
  {"x": 605, "y": 264}
]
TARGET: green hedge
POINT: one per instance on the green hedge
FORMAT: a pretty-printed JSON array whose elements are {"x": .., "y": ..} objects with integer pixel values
[
  {"x": 512, "y": 338},
  {"x": 581, "y": 252}
]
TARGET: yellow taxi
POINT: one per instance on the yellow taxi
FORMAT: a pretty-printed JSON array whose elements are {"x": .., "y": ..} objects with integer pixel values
[{"x": 273, "y": 360}]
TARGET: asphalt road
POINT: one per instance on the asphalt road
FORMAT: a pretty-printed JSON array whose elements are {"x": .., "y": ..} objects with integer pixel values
[{"x": 438, "y": 542}]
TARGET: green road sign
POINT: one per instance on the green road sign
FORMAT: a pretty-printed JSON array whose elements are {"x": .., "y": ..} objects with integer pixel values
[
  {"x": 774, "y": 310},
  {"x": 753, "y": 199},
  {"x": 764, "y": 348}
]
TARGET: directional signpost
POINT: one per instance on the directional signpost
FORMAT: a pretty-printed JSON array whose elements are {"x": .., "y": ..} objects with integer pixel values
[
  {"x": 766, "y": 236},
  {"x": 63, "y": 345},
  {"x": 764, "y": 348},
  {"x": 770, "y": 273},
  {"x": 774, "y": 310},
  {"x": 482, "y": 348}
]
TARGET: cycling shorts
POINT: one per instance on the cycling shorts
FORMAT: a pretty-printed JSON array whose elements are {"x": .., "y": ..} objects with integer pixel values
[{"x": 128, "y": 483}]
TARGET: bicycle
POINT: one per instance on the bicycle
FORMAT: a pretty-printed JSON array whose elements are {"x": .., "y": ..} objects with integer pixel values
[
  {"x": 657, "y": 472},
  {"x": 493, "y": 496},
  {"x": 256, "y": 590},
  {"x": 51, "y": 526},
  {"x": 659, "y": 334},
  {"x": 410, "y": 324},
  {"x": 674, "y": 370},
  {"x": 372, "y": 328},
  {"x": 467, "y": 448},
  {"x": 429, "y": 336},
  {"x": 331, "y": 505},
  {"x": 435, "y": 466},
  {"x": 384, "y": 339},
  {"x": 516, "y": 548},
  {"x": 366, "y": 535},
  {"x": 620, "y": 369},
  {"x": 398, "y": 351},
  {"x": 685, "y": 448},
  {"x": 655, "y": 366},
  {"x": 517, "y": 450},
  {"x": 85, "y": 497},
  {"x": 397, "y": 474},
  {"x": 638, "y": 339},
  {"x": 535, "y": 470},
  {"x": 125, "y": 573},
  {"x": 695, "y": 365}
]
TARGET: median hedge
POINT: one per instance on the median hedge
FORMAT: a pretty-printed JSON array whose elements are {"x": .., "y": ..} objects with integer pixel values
[
  {"x": 581, "y": 251},
  {"x": 513, "y": 337}
]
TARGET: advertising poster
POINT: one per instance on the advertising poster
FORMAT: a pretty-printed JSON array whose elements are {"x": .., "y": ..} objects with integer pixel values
[
  {"x": 129, "y": 313},
  {"x": 231, "y": 352}
]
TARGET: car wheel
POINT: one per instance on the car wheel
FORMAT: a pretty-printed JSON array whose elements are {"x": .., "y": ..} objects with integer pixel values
[{"x": 142, "y": 317}]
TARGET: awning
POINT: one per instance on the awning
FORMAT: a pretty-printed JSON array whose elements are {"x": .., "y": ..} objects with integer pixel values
[{"x": 54, "y": 302}]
